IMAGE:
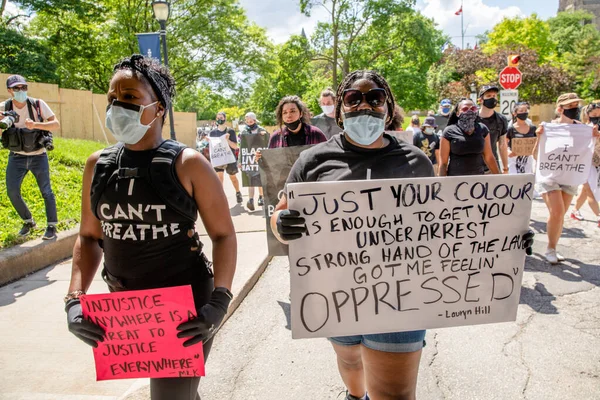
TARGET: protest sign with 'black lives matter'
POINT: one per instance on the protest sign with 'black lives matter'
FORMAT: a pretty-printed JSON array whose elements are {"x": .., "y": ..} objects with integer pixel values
[
  {"x": 406, "y": 254},
  {"x": 250, "y": 144}
]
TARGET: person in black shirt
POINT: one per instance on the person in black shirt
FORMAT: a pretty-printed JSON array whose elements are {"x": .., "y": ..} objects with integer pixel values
[
  {"x": 363, "y": 151},
  {"x": 465, "y": 144},
  {"x": 156, "y": 245},
  {"x": 232, "y": 168},
  {"x": 495, "y": 122},
  {"x": 518, "y": 130},
  {"x": 428, "y": 141}
]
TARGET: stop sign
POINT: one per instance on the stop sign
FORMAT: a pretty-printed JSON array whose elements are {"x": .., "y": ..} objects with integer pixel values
[{"x": 510, "y": 78}]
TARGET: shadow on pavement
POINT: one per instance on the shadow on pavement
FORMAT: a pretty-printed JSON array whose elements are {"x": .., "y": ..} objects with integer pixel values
[
  {"x": 571, "y": 233},
  {"x": 12, "y": 291},
  {"x": 286, "y": 308},
  {"x": 539, "y": 299}
]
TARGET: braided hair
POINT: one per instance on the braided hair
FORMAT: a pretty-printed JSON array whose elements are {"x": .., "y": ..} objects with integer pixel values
[
  {"x": 155, "y": 73},
  {"x": 357, "y": 76}
]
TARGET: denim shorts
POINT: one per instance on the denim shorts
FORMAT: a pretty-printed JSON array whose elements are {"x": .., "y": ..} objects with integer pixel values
[
  {"x": 549, "y": 186},
  {"x": 394, "y": 342}
]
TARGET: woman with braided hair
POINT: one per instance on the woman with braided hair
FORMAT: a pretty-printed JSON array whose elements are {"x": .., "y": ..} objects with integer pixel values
[{"x": 156, "y": 246}]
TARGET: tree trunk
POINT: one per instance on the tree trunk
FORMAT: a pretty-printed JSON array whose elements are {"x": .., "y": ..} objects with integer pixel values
[
  {"x": 2, "y": 7},
  {"x": 335, "y": 44}
]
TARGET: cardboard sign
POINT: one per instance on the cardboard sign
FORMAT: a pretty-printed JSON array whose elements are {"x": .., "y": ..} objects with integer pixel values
[
  {"x": 523, "y": 146},
  {"x": 141, "y": 336},
  {"x": 249, "y": 145},
  {"x": 220, "y": 152},
  {"x": 565, "y": 154},
  {"x": 275, "y": 166},
  {"x": 407, "y": 254}
]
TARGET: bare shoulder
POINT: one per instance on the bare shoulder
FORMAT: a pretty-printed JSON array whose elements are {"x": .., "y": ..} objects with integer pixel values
[{"x": 93, "y": 159}]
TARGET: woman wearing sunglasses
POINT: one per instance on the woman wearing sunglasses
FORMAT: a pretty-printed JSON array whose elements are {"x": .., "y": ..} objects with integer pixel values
[
  {"x": 140, "y": 203},
  {"x": 591, "y": 115},
  {"x": 465, "y": 145},
  {"x": 385, "y": 364}
]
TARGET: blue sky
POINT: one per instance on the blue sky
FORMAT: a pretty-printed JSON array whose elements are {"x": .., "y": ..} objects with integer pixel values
[{"x": 282, "y": 18}]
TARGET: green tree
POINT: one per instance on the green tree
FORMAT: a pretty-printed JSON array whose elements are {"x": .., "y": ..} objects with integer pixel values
[
  {"x": 530, "y": 32},
  {"x": 568, "y": 28}
]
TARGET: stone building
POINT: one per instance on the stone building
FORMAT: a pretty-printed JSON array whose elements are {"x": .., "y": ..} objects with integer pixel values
[{"x": 592, "y": 6}]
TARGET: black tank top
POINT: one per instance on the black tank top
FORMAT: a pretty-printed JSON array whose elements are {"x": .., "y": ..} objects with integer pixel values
[{"x": 141, "y": 234}]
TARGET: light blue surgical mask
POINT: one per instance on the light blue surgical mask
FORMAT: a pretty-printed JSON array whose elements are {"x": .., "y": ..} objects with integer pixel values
[
  {"x": 364, "y": 126},
  {"x": 124, "y": 121},
  {"x": 20, "y": 96}
]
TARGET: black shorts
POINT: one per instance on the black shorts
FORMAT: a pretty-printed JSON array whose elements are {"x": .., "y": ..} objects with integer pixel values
[
  {"x": 231, "y": 169},
  {"x": 254, "y": 180}
]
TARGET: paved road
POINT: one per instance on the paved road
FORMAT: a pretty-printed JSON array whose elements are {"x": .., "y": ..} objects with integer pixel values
[{"x": 551, "y": 352}]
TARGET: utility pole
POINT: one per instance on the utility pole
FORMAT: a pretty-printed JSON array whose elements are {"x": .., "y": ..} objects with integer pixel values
[{"x": 462, "y": 18}]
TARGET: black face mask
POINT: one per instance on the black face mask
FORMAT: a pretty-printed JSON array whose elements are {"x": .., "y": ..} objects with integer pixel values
[
  {"x": 571, "y": 113},
  {"x": 523, "y": 116},
  {"x": 252, "y": 127},
  {"x": 220, "y": 121},
  {"x": 292, "y": 126},
  {"x": 595, "y": 120},
  {"x": 490, "y": 103}
]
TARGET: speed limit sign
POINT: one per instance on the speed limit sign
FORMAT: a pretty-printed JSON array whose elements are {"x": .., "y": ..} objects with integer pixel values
[{"x": 508, "y": 99}]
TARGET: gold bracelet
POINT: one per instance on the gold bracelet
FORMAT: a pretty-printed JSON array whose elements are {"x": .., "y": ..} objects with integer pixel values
[{"x": 73, "y": 295}]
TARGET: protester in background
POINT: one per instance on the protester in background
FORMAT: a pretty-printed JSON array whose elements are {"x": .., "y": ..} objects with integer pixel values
[
  {"x": 232, "y": 168},
  {"x": 590, "y": 115},
  {"x": 495, "y": 122},
  {"x": 428, "y": 142},
  {"x": 395, "y": 124},
  {"x": 441, "y": 119},
  {"x": 514, "y": 118},
  {"x": 326, "y": 121},
  {"x": 520, "y": 129},
  {"x": 465, "y": 145},
  {"x": 415, "y": 125},
  {"x": 160, "y": 248},
  {"x": 294, "y": 128},
  {"x": 558, "y": 197},
  {"x": 384, "y": 364},
  {"x": 252, "y": 128},
  {"x": 27, "y": 140}
]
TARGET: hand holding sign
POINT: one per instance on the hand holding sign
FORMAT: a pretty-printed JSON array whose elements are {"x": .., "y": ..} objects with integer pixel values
[
  {"x": 83, "y": 329},
  {"x": 209, "y": 318},
  {"x": 290, "y": 225}
]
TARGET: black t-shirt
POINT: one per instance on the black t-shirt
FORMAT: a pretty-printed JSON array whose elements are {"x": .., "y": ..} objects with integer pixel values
[
  {"x": 339, "y": 160},
  {"x": 218, "y": 133},
  {"x": 497, "y": 125},
  {"x": 296, "y": 139},
  {"x": 514, "y": 134},
  {"x": 466, "y": 151},
  {"x": 428, "y": 144}
]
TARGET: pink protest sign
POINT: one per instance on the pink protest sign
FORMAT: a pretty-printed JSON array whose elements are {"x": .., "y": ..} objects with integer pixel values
[{"x": 141, "y": 336}]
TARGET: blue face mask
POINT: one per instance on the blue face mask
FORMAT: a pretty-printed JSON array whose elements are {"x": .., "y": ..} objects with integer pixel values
[
  {"x": 20, "y": 96},
  {"x": 124, "y": 121},
  {"x": 365, "y": 126}
]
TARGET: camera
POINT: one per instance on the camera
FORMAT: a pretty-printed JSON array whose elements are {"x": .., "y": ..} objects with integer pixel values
[
  {"x": 46, "y": 140},
  {"x": 10, "y": 117}
]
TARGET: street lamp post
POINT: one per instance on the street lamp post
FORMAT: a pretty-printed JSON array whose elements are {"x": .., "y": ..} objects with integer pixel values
[
  {"x": 162, "y": 10},
  {"x": 473, "y": 88}
]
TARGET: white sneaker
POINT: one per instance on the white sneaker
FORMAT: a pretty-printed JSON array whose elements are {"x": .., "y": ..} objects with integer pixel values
[
  {"x": 559, "y": 256},
  {"x": 576, "y": 214},
  {"x": 551, "y": 256}
]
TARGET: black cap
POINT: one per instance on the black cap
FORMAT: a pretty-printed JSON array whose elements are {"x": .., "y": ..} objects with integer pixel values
[
  {"x": 15, "y": 80},
  {"x": 488, "y": 88}
]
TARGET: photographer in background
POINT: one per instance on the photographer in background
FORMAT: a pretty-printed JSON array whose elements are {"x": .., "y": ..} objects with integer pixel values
[{"x": 27, "y": 139}]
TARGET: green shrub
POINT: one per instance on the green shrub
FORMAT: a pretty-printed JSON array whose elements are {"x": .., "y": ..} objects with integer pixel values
[{"x": 67, "y": 161}]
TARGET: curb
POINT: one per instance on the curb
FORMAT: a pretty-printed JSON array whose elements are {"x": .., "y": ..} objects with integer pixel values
[
  {"x": 19, "y": 261},
  {"x": 140, "y": 388}
]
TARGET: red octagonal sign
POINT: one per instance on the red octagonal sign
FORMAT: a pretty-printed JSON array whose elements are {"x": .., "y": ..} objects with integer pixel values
[{"x": 510, "y": 78}]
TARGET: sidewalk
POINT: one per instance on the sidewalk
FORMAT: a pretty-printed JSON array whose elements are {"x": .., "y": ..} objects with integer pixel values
[{"x": 41, "y": 360}]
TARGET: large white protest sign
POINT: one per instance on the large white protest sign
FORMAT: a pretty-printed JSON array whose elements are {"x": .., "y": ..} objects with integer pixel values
[
  {"x": 406, "y": 254},
  {"x": 594, "y": 181},
  {"x": 220, "y": 153},
  {"x": 565, "y": 154}
]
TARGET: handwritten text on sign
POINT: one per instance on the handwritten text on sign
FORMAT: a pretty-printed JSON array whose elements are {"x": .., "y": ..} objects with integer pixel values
[
  {"x": 565, "y": 154},
  {"x": 523, "y": 146},
  {"x": 141, "y": 337},
  {"x": 406, "y": 254}
]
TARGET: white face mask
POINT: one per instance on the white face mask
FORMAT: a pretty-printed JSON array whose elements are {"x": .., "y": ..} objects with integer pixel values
[
  {"x": 429, "y": 130},
  {"x": 124, "y": 121},
  {"x": 365, "y": 126},
  {"x": 327, "y": 109}
]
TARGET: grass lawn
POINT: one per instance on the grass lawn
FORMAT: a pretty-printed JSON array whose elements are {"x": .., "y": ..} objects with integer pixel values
[{"x": 67, "y": 161}]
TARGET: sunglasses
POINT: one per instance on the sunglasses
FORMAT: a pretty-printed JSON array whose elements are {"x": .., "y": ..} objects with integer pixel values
[
  {"x": 593, "y": 106},
  {"x": 20, "y": 88},
  {"x": 374, "y": 97},
  {"x": 466, "y": 108}
]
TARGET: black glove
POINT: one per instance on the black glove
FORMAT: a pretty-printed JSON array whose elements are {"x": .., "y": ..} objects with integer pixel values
[
  {"x": 290, "y": 225},
  {"x": 208, "y": 320},
  {"x": 528, "y": 242},
  {"x": 85, "y": 330}
]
